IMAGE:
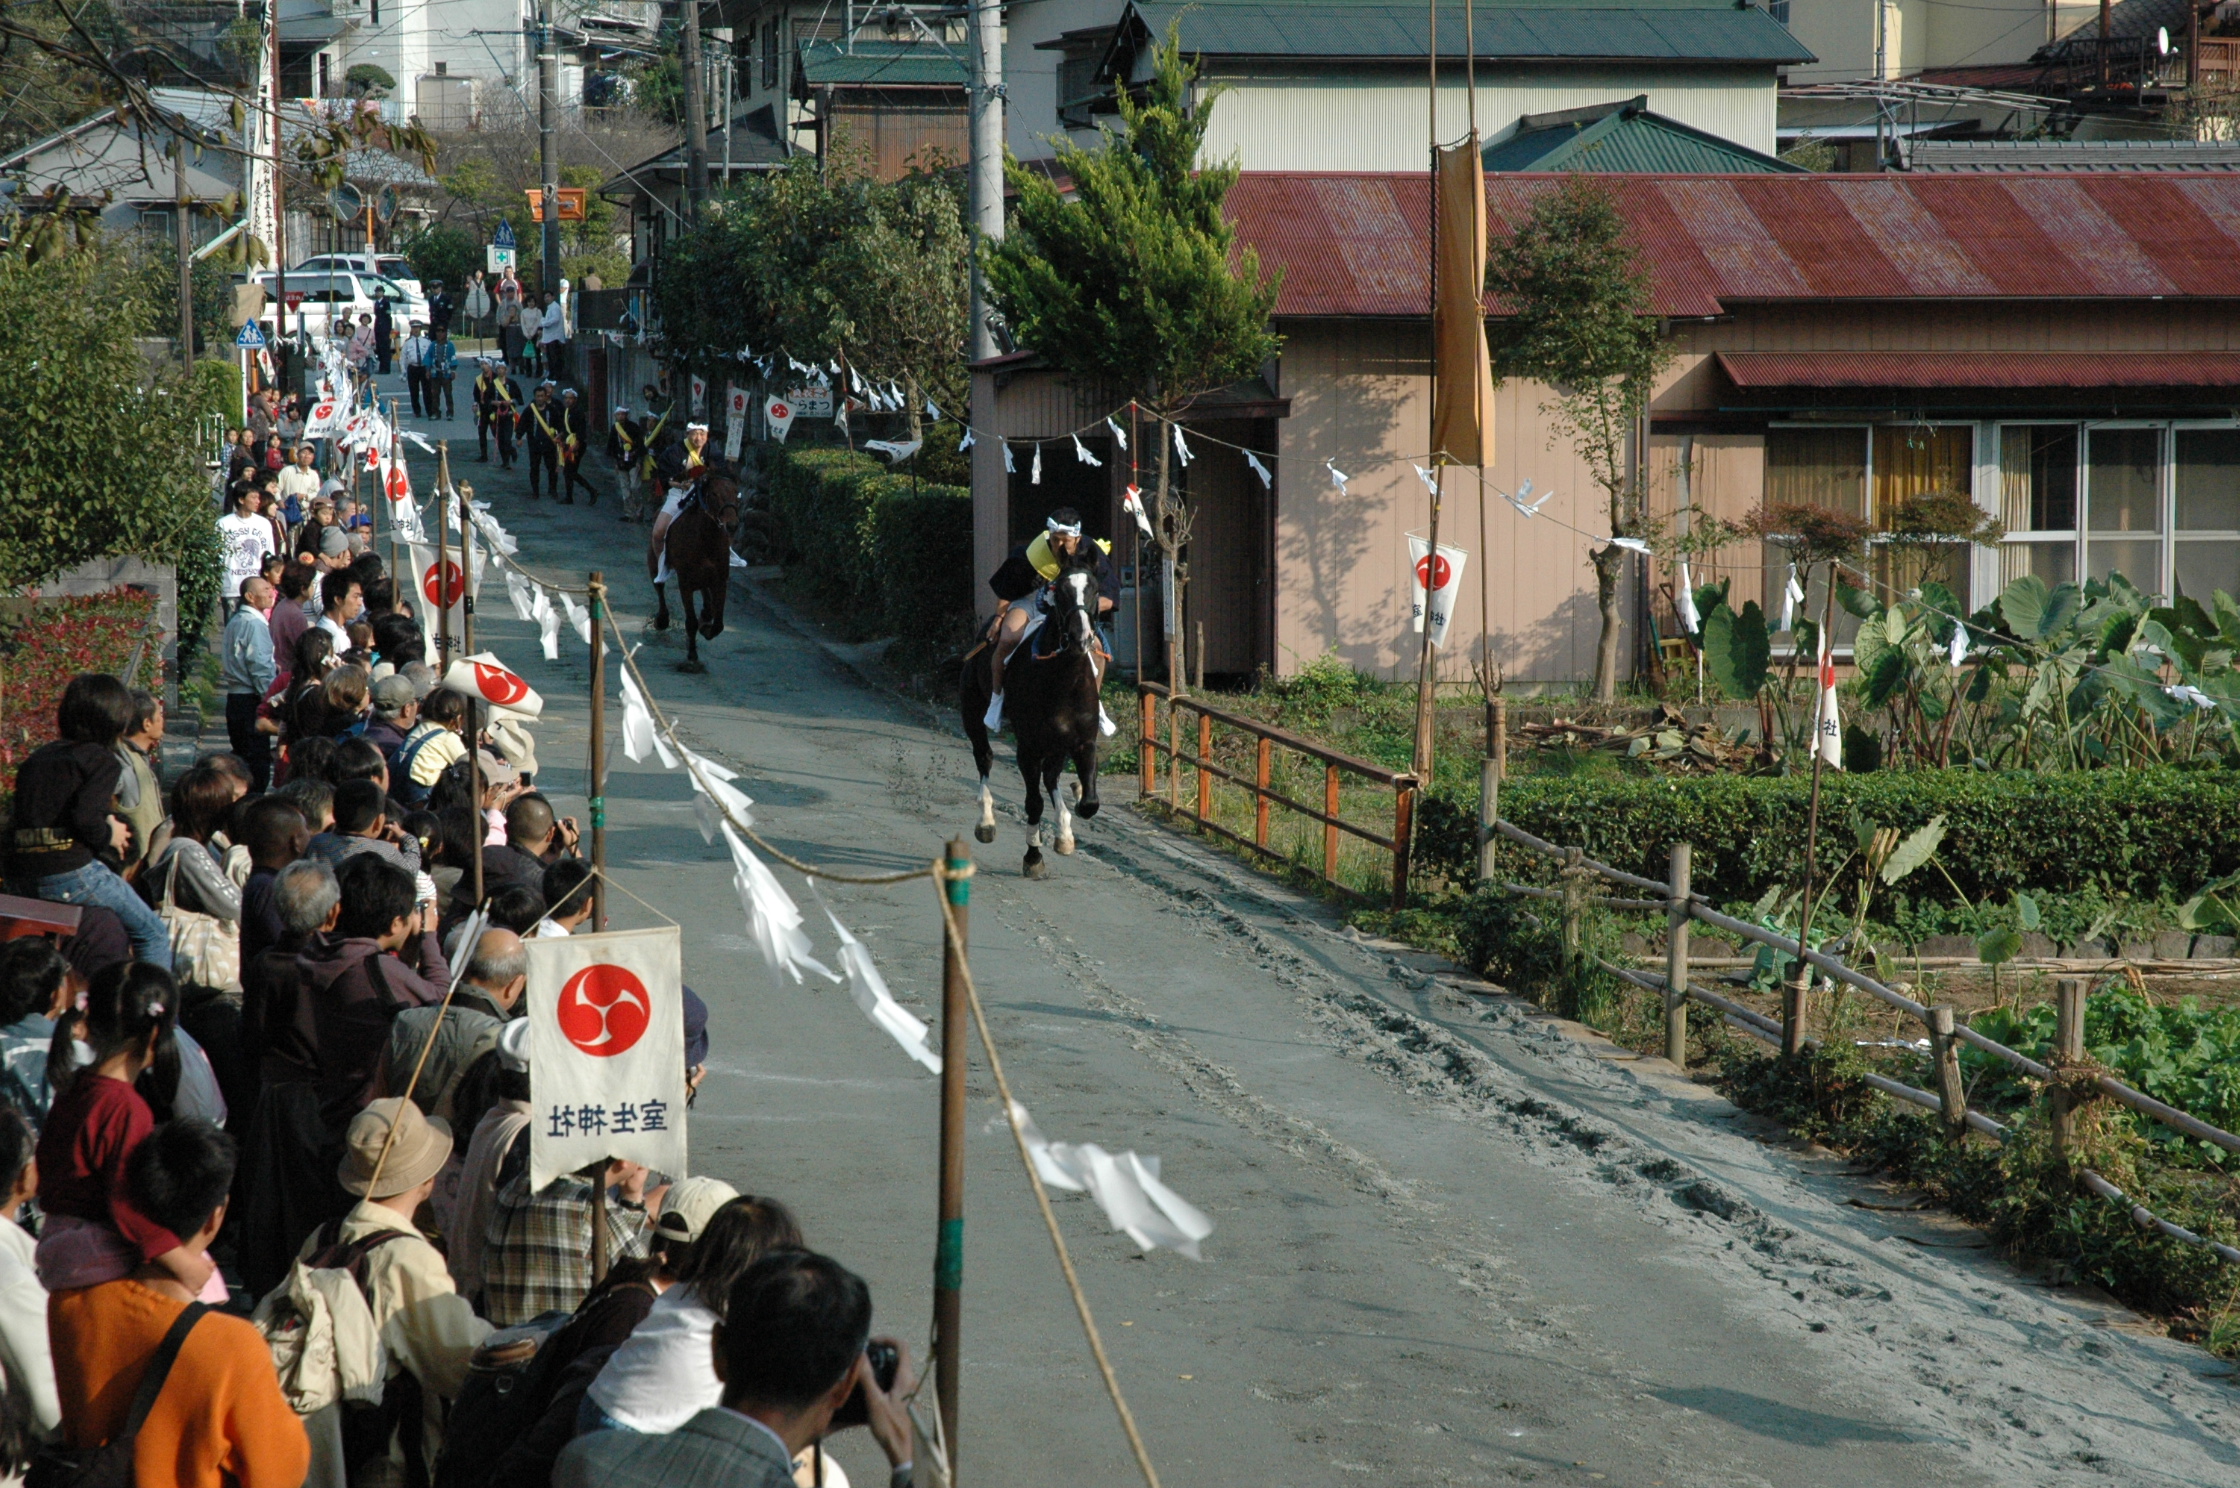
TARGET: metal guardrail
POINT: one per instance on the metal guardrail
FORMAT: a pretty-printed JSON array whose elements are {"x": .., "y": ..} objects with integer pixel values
[{"x": 1260, "y": 785}]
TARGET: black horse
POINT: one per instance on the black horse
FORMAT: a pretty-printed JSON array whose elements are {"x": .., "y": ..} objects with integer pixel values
[
  {"x": 1050, "y": 687},
  {"x": 698, "y": 544}
]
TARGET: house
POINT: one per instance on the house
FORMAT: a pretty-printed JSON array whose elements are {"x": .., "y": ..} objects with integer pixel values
[
  {"x": 891, "y": 77},
  {"x": 654, "y": 188},
  {"x": 1340, "y": 84},
  {"x": 1893, "y": 39},
  {"x": 1623, "y": 137},
  {"x": 2060, "y": 348}
]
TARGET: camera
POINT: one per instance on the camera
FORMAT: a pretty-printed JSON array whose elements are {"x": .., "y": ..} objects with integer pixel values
[{"x": 856, "y": 1411}]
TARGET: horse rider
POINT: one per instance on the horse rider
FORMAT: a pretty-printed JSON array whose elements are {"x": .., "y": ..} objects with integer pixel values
[
  {"x": 684, "y": 470},
  {"x": 1027, "y": 575}
]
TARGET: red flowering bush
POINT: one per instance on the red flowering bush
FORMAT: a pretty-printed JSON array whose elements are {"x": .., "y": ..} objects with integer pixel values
[{"x": 48, "y": 643}]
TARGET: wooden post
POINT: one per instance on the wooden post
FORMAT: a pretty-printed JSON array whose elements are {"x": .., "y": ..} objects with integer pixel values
[
  {"x": 597, "y": 1172},
  {"x": 1201, "y": 674},
  {"x": 1147, "y": 746},
  {"x": 1490, "y": 775},
  {"x": 1261, "y": 772},
  {"x": 466, "y": 568},
  {"x": 1205, "y": 776},
  {"x": 1329, "y": 832},
  {"x": 1795, "y": 997},
  {"x": 1573, "y": 919},
  {"x": 1174, "y": 742},
  {"x": 1951, "y": 1095},
  {"x": 443, "y": 563},
  {"x": 598, "y": 791},
  {"x": 1678, "y": 882},
  {"x": 948, "y": 1255},
  {"x": 2068, "y": 1051},
  {"x": 1403, "y": 837}
]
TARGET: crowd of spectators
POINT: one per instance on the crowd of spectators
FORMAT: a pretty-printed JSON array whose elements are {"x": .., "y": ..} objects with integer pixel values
[{"x": 269, "y": 1217}]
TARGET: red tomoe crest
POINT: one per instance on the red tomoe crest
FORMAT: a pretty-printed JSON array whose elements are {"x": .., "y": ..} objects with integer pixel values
[
  {"x": 604, "y": 1010},
  {"x": 1425, "y": 570},
  {"x": 781, "y": 410},
  {"x": 498, "y": 684},
  {"x": 400, "y": 484},
  {"x": 447, "y": 590}
]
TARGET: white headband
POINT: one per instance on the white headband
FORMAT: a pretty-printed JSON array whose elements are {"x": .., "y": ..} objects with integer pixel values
[
  {"x": 1062, "y": 529},
  {"x": 703, "y": 428}
]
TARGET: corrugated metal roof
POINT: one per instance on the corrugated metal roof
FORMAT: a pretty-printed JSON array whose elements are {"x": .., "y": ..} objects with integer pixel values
[
  {"x": 1971, "y": 370},
  {"x": 1360, "y": 30},
  {"x": 1986, "y": 156},
  {"x": 1354, "y": 243},
  {"x": 892, "y": 63},
  {"x": 1624, "y": 138}
]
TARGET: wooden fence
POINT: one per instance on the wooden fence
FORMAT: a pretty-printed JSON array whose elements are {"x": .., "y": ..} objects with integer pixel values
[
  {"x": 1260, "y": 785},
  {"x": 2070, "y": 1079}
]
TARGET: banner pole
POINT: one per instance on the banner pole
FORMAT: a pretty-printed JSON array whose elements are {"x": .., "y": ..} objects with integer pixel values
[
  {"x": 948, "y": 1260},
  {"x": 598, "y": 788},
  {"x": 443, "y": 561},
  {"x": 466, "y": 569}
]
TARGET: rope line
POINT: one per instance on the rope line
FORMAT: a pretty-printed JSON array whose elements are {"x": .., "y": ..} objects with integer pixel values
[{"x": 942, "y": 877}]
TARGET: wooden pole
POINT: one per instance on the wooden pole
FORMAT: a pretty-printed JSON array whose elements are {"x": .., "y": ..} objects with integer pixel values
[
  {"x": 443, "y": 564},
  {"x": 1490, "y": 775},
  {"x": 948, "y": 1256},
  {"x": 598, "y": 791},
  {"x": 183, "y": 215},
  {"x": 1427, "y": 663},
  {"x": 598, "y": 1175},
  {"x": 1952, "y": 1096},
  {"x": 1679, "y": 871},
  {"x": 1795, "y": 995},
  {"x": 2068, "y": 1051},
  {"x": 466, "y": 568}
]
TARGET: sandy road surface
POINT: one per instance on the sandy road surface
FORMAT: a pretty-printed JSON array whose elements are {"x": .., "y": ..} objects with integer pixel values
[{"x": 1456, "y": 1243}]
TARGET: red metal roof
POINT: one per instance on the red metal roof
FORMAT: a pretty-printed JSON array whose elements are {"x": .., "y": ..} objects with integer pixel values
[
  {"x": 1972, "y": 370},
  {"x": 1355, "y": 244}
]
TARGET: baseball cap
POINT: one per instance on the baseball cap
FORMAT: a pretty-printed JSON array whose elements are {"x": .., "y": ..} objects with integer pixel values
[
  {"x": 496, "y": 771},
  {"x": 691, "y": 1203},
  {"x": 393, "y": 694}
]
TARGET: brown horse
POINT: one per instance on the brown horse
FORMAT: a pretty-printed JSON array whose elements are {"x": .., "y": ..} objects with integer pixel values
[{"x": 698, "y": 547}]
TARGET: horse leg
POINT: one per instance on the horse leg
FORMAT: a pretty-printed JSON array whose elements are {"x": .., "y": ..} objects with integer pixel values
[
  {"x": 1085, "y": 768},
  {"x": 691, "y": 662},
  {"x": 660, "y": 606},
  {"x": 986, "y": 829},
  {"x": 1033, "y": 867},
  {"x": 1050, "y": 778},
  {"x": 711, "y": 624},
  {"x": 972, "y": 704}
]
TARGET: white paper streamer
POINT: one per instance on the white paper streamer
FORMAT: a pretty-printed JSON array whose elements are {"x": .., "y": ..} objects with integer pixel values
[
  {"x": 1126, "y": 1188},
  {"x": 713, "y": 795},
  {"x": 966, "y": 442},
  {"x": 1081, "y": 453},
  {"x": 548, "y": 622},
  {"x": 1959, "y": 653},
  {"x": 1132, "y": 504},
  {"x": 1267, "y": 481},
  {"x": 771, "y": 915},
  {"x": 1430, "y": 481},
  {"x": 1685, "y": 597},
  {"x": 1792, "y": 595},
  {"x": 578, "y": 616},
  {"x": 869, "y": 989},
  {"x": 1181, "y": 445},
  {"x": 1034, "y": 477},
  {"x": 1533, "y": 509},
  {"x": 1338, "y": 477},
  {"x": 517, "y": 590},
  {"x": 1119, "y": 435}
]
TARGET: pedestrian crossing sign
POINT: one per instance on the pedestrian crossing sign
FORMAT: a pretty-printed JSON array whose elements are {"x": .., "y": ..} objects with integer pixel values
[{"x": 251, "y": 337}]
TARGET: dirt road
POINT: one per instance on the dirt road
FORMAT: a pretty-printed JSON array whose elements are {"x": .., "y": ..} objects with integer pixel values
[{"x": 1455, "y": 1244}]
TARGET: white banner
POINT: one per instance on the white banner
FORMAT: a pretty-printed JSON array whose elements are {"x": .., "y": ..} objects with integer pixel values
[
  {"x": 260, "y": 130},
  {"x": 1443, "y": 579},
  {"x": 699, "y": 393},
  {"x": 735, "y": 405},
  {"x": 485, "y": 678},
  {"x": 444, "y": 592},
  {"x": 606, "y": 1051},
  {"x": 779, "y": 413},
  {"x": 325, "y": 420},
  {"x": 1828, "y": 722}
]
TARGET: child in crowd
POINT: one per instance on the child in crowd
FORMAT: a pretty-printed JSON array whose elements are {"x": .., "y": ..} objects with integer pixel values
[{"x": 94, "y": 1232}]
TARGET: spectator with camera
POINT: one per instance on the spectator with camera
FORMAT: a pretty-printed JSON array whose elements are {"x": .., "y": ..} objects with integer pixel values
[{"x": 793, "y": 1349}]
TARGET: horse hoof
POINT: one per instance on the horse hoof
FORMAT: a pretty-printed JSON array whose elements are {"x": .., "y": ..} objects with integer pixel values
[
  {"x": 1086, "y": 809},
  {"x": 986, "y": 833},
  {"x": 689, "y": 665},
  {"x": 1034, "y": 867},
  {"x": 710, "y": 632},
  {"x": 1065, "y": 846},
  {"x": 661, "y": 622}
]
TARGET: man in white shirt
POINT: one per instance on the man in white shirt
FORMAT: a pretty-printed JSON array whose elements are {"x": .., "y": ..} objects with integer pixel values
[
  {"x": 341, "y": 601},
  {"x": 416, "y": 348},
  {"x": 552, "y": 335},
  {"x": 300, "y": 481},
  {"x": 247, "y": 537}
]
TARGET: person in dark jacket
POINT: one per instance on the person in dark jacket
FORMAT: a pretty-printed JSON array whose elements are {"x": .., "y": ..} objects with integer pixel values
[
  {"x": 384, "y": 331},
  {"x": 497, "y": 404},
  {"x": 540, "y": 427},
  {"x": 628, "y": 449},
  {"x": 63, "y": 837},
  {"x": 357, "y": 978},
  {"x": 574, "y": 427}
]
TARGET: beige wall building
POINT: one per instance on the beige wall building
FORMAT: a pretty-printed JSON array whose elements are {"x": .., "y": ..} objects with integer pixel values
[{"x": 2064, "y": 350}]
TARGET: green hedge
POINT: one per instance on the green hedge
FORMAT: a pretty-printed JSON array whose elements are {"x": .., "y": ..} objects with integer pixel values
[
  {"x": 221, "y": 383},
  {"x": 2147, "y": 834},
  {"x": 869, "y": 543}
]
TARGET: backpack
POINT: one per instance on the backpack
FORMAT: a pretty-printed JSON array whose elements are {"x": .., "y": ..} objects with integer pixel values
[
  {"x": 509, "y": 1383},
  {"x": 110, "y": 1465},
  {"x": 327, "y": 1351}
]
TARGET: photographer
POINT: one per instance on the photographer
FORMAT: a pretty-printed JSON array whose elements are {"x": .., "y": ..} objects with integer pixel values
[{"x": 791, "y": 1352}]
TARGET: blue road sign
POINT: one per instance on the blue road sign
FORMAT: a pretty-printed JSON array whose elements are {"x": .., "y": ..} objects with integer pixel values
[
  {"x": 504, "y": 238},
  {"x": 251, "y": 337}
]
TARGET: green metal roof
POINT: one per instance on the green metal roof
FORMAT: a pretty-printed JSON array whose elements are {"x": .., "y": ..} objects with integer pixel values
[
  {"x": 1625, "y": 137},
  {"x": 1541, "y": 30},
  {"x": 890, "y": 63}
]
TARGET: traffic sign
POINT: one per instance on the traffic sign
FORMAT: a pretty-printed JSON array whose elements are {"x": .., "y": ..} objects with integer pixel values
[
  {"x": 503, "y": 238},
  {"x": 294, "y": 297},
  {"x": 251, "y": 337},
  {"x": 497, "y": 260},
  {"x": 571, "y": 202}
]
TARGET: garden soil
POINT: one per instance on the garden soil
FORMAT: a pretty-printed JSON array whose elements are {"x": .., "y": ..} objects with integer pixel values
[{"x": 1457, "y": 1242}]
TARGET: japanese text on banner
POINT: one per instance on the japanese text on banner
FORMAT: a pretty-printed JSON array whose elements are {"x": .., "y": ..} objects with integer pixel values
[{"x": 606, "y": 1051}]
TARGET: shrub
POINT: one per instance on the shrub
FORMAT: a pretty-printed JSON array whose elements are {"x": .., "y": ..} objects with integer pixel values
[
  {"x": 876, "y": 554},
  {"x": 921, "y": 544},
  {"x": 2145, "y": 834}
]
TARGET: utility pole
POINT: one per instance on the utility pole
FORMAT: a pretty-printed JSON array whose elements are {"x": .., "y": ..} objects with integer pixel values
[
  {"x": 548, "y": 149},
  {"x": 181, "y": 210},
  {"x": 695, "y": 114},
  {"x": 284, "y": 364},
  {"x": 987, "y": 168}
]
